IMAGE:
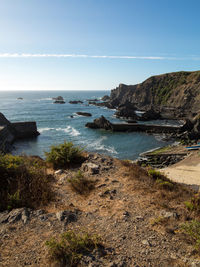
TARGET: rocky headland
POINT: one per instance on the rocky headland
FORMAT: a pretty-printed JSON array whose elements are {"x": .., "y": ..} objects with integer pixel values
[{"x": 174, "y": 95}]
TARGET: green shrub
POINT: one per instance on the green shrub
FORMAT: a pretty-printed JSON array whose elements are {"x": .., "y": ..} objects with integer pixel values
[
  {"x": 24, "y": 182},
  {"x": 81, "y": 184},
  {"x": 194, "y": 204},
  {"x": 14, "y": 200},
  {"x": 155, "y": 174},
  {"x": 63, "y": 155},
  {"x": 71, "y": 246},
  {"x": 192, "y": 229},
  {"x": 165, "y": 184}
]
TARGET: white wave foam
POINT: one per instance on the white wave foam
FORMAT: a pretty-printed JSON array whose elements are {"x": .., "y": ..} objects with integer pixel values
[
  {"x": 42, "y": 99},
  {"x": 99, "y": 146},
  {"x": 45, "y": 129},
  {"x": 70, "y": 130}
]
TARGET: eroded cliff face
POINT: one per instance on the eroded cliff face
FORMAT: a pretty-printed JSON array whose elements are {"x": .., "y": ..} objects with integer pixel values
[{"x": 177, "y": 92}]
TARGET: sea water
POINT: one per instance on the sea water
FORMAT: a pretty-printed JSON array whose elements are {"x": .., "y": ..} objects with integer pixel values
[{"x": 56, "y": 125}]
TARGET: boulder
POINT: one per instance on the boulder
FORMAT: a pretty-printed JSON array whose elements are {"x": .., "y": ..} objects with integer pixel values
[
  {"x": 127, "y": 111},
  {"x": 100, "y": 123},
  {"x": 105, "y": 98},
  {"x": 58, "y": 98},
  {"x": 59, "y": 102},
  {"x": 90, "y": 168},
  {"x": 76, "y": 102},
  {"x": 150, "y": 114},
  {"x": 86, "y": 114}
]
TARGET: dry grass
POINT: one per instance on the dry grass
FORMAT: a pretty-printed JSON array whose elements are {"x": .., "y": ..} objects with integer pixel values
[
  {"x": 81, "y": 184},
  {"x": 70, "y": 247},
  {"x": 24, "y": 182}
]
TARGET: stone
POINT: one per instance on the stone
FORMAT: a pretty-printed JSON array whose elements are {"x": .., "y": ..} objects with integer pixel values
[
  {"x": 86, "y": 114},
  {"x": 90, "y": 168},
  {"x": 58, "y": 172},
  {"x": 168, "y": 214},
  {"x": 25, "y": 215},
  {"x": 76, "y": 102},
  {"x": 145, "y": 242},
  {"x": 4, "y": 217},
  {"x": 59, "y": 102},
  {"x": 100, "y": 123},
  {"x": 67, "y": 216}
]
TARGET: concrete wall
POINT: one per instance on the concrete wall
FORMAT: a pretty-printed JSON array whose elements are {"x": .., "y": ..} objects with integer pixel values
[
  {"x": 6, "y": 138},
  {"x": 25, "y": 129}
]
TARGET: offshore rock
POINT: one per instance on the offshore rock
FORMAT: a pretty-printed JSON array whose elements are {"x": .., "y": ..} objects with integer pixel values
[
  {"x": 76, "y": 102},
  {"x": 100, "y": 123},
  {"x": 86, "y": 114}
]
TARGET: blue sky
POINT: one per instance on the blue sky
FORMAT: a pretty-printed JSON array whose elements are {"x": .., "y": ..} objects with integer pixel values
[{"x": 42, "y": 42}]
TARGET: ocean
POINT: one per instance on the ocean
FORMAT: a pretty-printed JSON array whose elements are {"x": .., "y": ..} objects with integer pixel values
[{"x": 55, "y": 124}]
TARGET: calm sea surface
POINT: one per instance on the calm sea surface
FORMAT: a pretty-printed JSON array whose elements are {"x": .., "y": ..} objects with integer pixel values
[{"x": 55, "y": 124}]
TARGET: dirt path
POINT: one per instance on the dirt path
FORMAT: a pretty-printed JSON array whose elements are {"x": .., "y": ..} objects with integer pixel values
[{"x": 186, "y": 171}]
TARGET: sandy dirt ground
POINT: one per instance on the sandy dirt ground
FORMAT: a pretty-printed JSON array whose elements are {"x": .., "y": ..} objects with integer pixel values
[{"x": 186, "y": 171}]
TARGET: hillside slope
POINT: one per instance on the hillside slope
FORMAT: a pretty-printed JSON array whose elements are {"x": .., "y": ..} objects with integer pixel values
[{"x": 178, "y": 92}]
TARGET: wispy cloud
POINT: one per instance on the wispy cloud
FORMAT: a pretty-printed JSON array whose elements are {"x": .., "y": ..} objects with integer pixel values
[{"x": 29, "y": 55}]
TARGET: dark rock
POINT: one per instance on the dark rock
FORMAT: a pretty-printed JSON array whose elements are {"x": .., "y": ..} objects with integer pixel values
[
  {"x": 76, "y": 102},
  {"x": 90, "y": 167},
  {"x": 100, "y": 123},
  {"x": 59, "y": 102},
  {"x": 105, "y": 98},
  {"x": 126, "y": 110},
  {"x": 150, "y": 114},
  {"x": 67, "y": 216},
  {"x": 94, "y": 100},
  {"x": 20, "y": 98},
  {"x": 59, "y": 98},
  {"x": 84, "y": 114}
]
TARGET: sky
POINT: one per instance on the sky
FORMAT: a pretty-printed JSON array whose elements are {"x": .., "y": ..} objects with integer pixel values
[{"x": 95, "y": 44}]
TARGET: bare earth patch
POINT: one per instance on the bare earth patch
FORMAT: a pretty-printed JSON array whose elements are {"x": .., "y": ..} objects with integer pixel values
[{"x": 137, "y": 223}]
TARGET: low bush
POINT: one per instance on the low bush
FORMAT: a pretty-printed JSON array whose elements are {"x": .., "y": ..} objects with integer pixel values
[
  {"x": 81, "y": 184},
  {"x": 192, "y": 229},
  {"x": 155, "y": 174},
  {"x": 135, "y": 171},
  {"x": 194, "y": 203},
  {"x": 63, "y": 155},
  {"x": 24, "y": 182},
  {"x": 71, "y": 246}
]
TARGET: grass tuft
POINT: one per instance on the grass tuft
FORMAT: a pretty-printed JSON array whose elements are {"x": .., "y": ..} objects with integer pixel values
[
  {"x": 192, "y": 229},
  {"x": 69, "y": 248},
  {"x": 81, "y": 184}
]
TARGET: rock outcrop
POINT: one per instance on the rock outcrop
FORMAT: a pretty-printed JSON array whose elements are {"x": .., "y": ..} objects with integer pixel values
[
  {"x": 100, "y": 123},
  {"x": 103, "y": 123},
  {"x": 174, "y": 95},
  {"x": 76, "y": 102},
  {"x": 126, "y": 110},
  {"x": 86, "y": 114}
]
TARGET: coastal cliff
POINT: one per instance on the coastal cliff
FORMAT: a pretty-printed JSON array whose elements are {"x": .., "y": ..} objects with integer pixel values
[{"x": 175, "y": 95}]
